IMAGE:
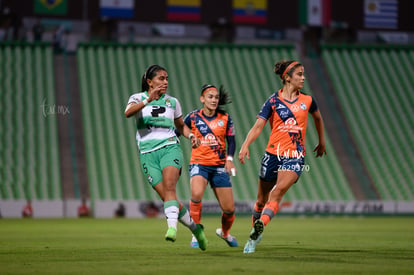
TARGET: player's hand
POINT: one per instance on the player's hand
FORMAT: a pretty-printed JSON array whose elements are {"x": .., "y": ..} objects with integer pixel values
[
  {"x": 230, "y": 168},
  {"x": 155, "y": 93},
  {"x": 195, "y": 141},
  {"x": 244, "y": 152},
  {"x": 320, "y": 150}
]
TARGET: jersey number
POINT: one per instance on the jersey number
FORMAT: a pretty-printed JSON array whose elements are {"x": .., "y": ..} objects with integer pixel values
[{"x": 156, "y": 110}]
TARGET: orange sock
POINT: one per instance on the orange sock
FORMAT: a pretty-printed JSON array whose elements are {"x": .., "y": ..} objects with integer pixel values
[
  {"x": 195, "y": 211},
  {"x": 269, "y": 211},
  {"x": 227, "y": 220}
]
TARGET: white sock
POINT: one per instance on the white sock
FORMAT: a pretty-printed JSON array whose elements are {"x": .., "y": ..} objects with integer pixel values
[
  {"x": 171, "y": 212},
  {"x": 186, "y": 219}
]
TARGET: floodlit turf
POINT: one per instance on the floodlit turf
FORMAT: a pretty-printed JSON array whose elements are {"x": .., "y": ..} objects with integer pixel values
[{"x": 331, "y": 245}]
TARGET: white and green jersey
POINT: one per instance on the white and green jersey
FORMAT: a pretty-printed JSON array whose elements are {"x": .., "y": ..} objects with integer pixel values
[{"x": 155, "y": 122}]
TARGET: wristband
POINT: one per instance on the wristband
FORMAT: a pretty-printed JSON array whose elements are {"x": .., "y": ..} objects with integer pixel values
[
  {"x": 190, "y": 135},
  {"x": 145, "y": 101},
  {"x": 230, "y": 158}
]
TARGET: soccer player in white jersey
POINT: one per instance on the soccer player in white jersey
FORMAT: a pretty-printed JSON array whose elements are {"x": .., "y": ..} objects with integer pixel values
[{"x": 157, "y": 116}]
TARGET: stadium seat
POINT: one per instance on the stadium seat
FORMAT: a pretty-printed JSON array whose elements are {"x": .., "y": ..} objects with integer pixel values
[
  {"x": 109, "y": 74},
  {"x": 373, "y": 87}
]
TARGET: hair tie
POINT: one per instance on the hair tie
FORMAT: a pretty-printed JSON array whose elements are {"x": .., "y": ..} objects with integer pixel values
[{"x": 291, "y": 65}]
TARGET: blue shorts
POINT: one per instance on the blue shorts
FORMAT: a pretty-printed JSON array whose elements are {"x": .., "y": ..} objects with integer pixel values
[
  {"x": 271, "y": 164},
  {"x": 215, "y": 175}
]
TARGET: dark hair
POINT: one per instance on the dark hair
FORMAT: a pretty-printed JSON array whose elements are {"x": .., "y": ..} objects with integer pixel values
[
  {"x": 149, "y": 74},
  {"x": 224, "y": 97},
  {"x": 281, "y": 66}
]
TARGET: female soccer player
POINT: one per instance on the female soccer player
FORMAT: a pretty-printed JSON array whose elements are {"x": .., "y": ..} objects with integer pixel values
[
  {"x": 157, "y": 115},
  {"x": 209, "y": 162},
  {"x": 283, "y": 161}
]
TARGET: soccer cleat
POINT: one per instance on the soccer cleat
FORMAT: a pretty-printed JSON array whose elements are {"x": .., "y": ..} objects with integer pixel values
[
  {"x": 201, "y": 238},
  {"x": 257, "y": 230},
  {"x": 171, "y": 234},
  {"x": 250, "y": 246},
  {"x": 230, "y": 240},
  {"x": 194, "y": 242}
]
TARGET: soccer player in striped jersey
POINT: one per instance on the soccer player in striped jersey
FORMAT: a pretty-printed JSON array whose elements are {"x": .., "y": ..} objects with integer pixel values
[
  {"x": 284, "y": 159},
  {"x": 212, "y": 161},
  {"x": 157, "y": 116}
]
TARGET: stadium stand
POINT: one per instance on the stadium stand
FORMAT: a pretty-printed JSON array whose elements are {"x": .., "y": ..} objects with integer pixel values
[
  {"x": 374, "y": 87},
  {"x": 110, "y": 73},
  {"x": 29, "y": 156}
]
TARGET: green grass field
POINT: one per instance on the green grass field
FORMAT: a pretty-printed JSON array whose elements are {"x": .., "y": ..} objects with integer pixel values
[{"x": 325, "y": 245}]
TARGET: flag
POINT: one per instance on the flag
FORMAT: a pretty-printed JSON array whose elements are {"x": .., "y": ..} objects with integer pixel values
[
  {"x": 117, "y": 8},
  {"x": 250, "y": 11},
  {"x": 381, "y": 14},
  {"x": 52, "y": 7},
  {"x": 315, "y": 12},
  {"x": 183, "y": 10}
]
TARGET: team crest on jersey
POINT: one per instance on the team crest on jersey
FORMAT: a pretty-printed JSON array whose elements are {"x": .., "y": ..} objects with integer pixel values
[
  {"x": 220, "y": 123},
  {"x": 303, "y": 106},
  {"x": 168, "y": 103}
]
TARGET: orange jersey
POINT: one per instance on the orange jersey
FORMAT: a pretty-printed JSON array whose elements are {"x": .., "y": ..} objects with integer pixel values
[
  {"x": 288, "y": 123},
  {"x": 212, "y": 131}
]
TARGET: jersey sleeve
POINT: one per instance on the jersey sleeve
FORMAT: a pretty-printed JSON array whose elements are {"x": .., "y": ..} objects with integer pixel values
[
  {"x": 178, "y": 111},
  {"x": 133, "y": 99},
  {"x": 230, "y": 127},
  {"x": 266, "y": 110},
  {"x": 314, "y": 106},
  {"x": 187, "y": 120}
]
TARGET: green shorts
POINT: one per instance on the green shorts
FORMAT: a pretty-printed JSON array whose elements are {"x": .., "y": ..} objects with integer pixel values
[{"x": 154, "y": 162}]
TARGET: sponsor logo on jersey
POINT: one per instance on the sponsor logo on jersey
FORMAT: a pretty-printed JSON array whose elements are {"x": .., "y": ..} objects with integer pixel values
[
  {"x": 209, "y": 140},
  {"x": 294, "y": 108},
  {"x": 280, "y": 106}
]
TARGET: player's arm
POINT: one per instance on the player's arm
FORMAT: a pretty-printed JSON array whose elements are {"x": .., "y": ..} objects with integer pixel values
[
  {"x": 231, "y": 148},
  {"x": 186, "y": 132},
  {"x": 251, "y": 136},
  {"x": 133, "y": 108},
  {"x": 320, "y": 149}
]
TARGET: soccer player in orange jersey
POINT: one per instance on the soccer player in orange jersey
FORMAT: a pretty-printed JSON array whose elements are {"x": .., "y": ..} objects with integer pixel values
[
  {"x": 211, "y": 162},
  {"x": 283, "y": 161}
]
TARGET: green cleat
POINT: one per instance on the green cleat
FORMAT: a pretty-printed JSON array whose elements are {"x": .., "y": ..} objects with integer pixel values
[
  {"x": 171, "y": 234},
  {"x": 201, "y": 238}
]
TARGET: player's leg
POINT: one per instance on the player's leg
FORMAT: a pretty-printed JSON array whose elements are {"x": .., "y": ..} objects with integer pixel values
[
  {"x": 225, "y": 198},
  {"x": 263, "y": 191},
  {"x": 285, "y": 180},
  {"x": 171, "y": 160},
  {"x": 288, "y": 173},
  {"x": 198, "y": 185}
]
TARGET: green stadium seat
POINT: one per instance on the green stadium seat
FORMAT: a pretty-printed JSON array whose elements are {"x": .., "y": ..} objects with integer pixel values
[
  {"x": 109, "y": 74},
  {"x": 372, "y": 85}
]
